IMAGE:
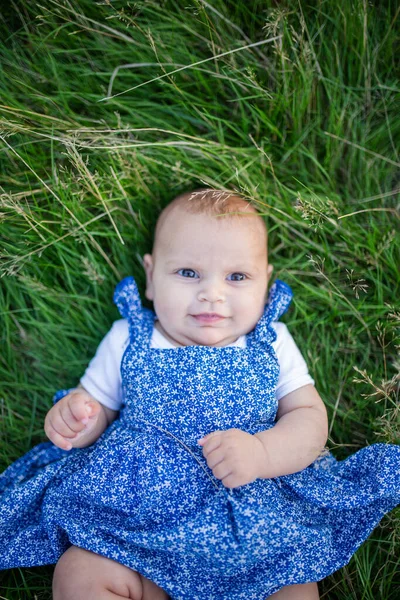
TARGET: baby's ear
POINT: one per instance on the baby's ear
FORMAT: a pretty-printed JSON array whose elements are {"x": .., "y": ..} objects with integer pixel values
[
  {"x": 270, "y": 268},
  {"x": 148, "y": 267}
]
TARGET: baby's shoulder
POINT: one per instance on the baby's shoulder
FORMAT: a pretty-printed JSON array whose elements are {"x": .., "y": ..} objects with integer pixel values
[
  {"x": 119, "y": 333},
  {"x": 284, "y": 339},
  {"x": 280, "y": 329}
]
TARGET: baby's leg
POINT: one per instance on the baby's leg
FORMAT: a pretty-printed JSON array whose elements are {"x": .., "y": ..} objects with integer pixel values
[
  {"x": 83, "y": 575},
  {"x": 304, "y": 591}
]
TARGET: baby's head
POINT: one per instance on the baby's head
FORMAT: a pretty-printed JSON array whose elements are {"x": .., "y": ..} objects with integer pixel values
[{"x": 208, "y": 274}]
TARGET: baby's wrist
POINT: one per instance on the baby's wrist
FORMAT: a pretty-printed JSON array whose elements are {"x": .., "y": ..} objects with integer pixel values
[
  {"x": 265, "y": 466},
  {"x": 275, "y": 463}
]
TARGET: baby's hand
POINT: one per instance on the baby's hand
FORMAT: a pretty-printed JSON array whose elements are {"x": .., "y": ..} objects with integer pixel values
[
  {"x": 234, "y": 456},
  {"x": 72, "y": 417}
]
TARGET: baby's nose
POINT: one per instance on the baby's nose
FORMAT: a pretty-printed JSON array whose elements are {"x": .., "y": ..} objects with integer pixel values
[{"x": 211, "y": 291}]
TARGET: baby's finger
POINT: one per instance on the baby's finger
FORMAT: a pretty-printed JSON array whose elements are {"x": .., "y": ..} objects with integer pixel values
[
  {"x": 93, "y": 408},
  {"x": 70, "y": 423},
  {"x": 215, "y": 458},
  {"x": 231, "y": 481},
  {"x": 222, "y": 471},
  {"x": 211, "y": 443},
  {"x": 57, "y": 423},
  {"x": 57, "y": 439},
  {"x": 78, "y": 405}
]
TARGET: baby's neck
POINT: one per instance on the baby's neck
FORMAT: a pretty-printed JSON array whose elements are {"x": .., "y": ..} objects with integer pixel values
[{"x": 165, "y": 334}]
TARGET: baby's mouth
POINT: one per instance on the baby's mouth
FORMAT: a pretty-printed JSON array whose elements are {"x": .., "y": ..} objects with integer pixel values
[{"x": 208, "y": 317}]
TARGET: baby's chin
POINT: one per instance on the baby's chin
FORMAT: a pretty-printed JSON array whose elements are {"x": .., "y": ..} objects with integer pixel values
[
  {"x": 207, "y": 336},
  {"x": 199, "y": 336}
]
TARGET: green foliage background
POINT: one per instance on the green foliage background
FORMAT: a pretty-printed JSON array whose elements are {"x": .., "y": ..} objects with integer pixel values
[{"x": 110, "y": 109}]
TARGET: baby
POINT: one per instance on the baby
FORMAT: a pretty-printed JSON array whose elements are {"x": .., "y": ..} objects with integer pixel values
[{"x": 196, "y": 469}]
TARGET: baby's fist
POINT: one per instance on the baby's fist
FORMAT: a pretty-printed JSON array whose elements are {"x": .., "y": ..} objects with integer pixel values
[
  {"x": 234, "y": 456},
  {"x": 71, "y": 418}
]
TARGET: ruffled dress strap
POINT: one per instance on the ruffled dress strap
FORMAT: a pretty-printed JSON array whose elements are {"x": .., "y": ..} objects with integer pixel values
[
  {"x": 279, "y": 299},
  {"x": 127, "y": 300}
]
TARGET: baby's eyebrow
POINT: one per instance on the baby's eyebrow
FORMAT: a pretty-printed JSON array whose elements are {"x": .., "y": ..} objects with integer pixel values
[
  {"x": 178, "y": 261},
  {"x": 182, "y": 258}
]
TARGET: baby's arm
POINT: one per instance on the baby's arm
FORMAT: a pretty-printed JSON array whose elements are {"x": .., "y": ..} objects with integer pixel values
[
  {"x": 237, "y": 457},
  {"x": 299, "y": 435},
  {"x": 77, "y": 420}
]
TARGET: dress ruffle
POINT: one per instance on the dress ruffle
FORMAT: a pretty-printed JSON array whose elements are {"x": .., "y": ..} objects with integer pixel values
[{"x": 279, "y": 299}]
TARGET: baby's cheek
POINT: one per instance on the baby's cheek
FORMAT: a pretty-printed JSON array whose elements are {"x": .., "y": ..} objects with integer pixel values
[
  {"x": 170, "y": 314},
  {"x": 247, "y": 315},
  {"x": 163, "y": 307},
  {"x": 176, "y": 307}
]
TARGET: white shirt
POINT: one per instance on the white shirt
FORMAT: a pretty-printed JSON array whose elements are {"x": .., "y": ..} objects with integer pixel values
[{"x": 102, "y": 378}]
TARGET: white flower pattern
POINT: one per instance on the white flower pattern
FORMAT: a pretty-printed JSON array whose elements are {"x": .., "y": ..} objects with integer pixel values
[{"x": 144, "y": 496}]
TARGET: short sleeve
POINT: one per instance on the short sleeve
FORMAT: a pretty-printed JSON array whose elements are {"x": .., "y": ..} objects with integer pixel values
[
  {"x": 293, "y": 372},
  {"x": 102, "y": 378}
]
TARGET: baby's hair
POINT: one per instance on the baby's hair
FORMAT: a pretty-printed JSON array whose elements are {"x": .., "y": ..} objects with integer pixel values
[{"x": 211, "y": 202}]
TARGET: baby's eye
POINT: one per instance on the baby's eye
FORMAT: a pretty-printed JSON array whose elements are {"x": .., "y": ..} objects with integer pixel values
[
  {"x": 237, "y": 276},
  {"x": 189, "y": 273}
]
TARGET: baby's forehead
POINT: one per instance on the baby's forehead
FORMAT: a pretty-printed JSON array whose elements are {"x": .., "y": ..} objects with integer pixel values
[{"x": 243, "y": 216}]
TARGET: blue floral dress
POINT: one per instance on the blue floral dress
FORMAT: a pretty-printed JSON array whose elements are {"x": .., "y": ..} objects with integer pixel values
[{"x": 144, "y": 496}]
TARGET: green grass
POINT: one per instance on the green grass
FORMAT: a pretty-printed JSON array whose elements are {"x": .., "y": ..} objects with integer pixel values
[{"x": 306, "y": 125}]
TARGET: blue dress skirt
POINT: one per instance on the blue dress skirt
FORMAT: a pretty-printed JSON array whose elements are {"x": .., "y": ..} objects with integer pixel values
[{"x": 144, "y": 496}]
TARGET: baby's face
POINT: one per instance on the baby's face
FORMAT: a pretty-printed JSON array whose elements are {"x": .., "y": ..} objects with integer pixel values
[{"x": 207, "y": 278}]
